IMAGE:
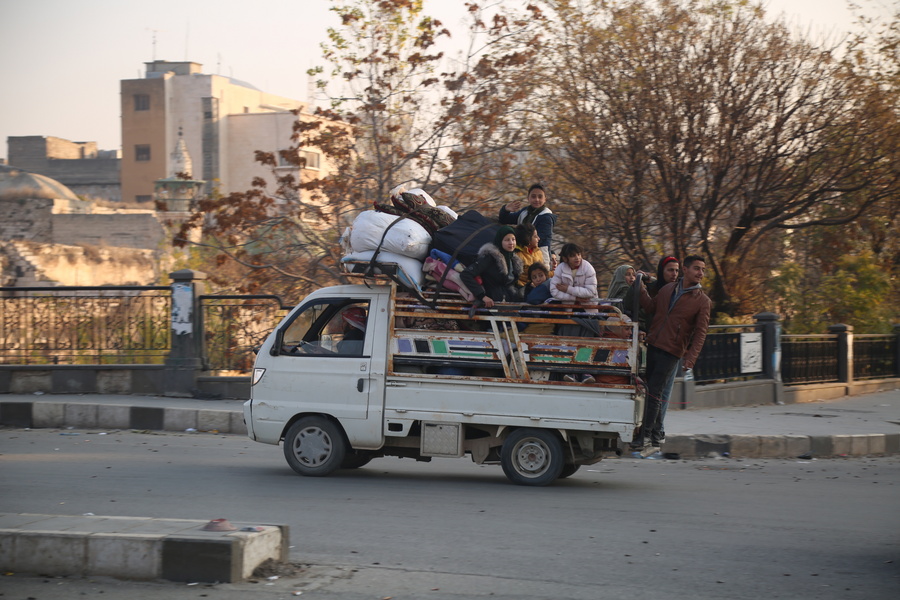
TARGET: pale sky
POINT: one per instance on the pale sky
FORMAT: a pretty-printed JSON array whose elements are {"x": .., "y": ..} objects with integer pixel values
[{"x": 62, "y": 59}]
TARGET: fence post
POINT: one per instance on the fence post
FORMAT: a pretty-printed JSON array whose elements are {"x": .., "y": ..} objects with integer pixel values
[
  {"x": 844, "y": 350},
  {"x": 897, "y": 350},
  {"x": 770, "y": 326},
  {"x": 184, "y": 363}
]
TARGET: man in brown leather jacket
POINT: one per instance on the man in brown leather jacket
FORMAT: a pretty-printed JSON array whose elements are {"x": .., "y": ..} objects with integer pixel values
[{"x": 680, "y": 319}]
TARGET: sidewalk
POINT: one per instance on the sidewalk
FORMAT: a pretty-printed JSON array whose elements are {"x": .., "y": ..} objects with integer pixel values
[{"x": 850, "y": 426}]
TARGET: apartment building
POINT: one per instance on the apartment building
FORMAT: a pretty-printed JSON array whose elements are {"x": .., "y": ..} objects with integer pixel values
[{"x": 221, "y": 120}]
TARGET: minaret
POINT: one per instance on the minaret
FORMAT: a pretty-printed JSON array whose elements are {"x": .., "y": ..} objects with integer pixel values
[
  {"x": 177, "y": 194},
  {"x": 181, "y": 159}
]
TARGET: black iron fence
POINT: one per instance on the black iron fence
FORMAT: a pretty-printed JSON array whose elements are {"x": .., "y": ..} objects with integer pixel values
[
  {"x": 730, "y": 353},
  {"x": 233, "y": 327},
  {"x": 85, "y": 325},
  {"x": 809, "y": 358},
  {"x": 875, "y": 356}
]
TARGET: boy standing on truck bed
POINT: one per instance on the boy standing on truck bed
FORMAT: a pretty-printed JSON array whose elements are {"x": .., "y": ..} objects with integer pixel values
[{"x": 680, "y": 320}]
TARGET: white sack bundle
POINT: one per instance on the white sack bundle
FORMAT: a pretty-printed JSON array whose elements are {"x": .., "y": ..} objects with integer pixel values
[{"x": 406, "y": 237}]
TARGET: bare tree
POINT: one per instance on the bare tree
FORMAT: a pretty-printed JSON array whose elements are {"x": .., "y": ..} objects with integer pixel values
[
  {"x": 400, "y": 113},
  {"x": 698, "y": 126}
]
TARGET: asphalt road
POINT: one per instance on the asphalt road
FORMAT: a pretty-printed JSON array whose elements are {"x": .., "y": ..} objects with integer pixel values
[{"x": 450, "y": 529}]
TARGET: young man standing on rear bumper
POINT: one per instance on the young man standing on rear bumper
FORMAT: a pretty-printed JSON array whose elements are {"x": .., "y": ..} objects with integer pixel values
[{"x": 680, "y": 320}]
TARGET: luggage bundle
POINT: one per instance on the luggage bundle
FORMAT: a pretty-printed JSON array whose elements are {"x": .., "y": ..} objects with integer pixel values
[{"x": 419, "y": 242}]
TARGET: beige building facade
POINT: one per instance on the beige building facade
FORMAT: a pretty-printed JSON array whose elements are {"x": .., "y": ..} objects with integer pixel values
[
  {"x": 49, "y": 237},
  {"x": 82, "y": 167},
  {"x": 221, "y": 120}
]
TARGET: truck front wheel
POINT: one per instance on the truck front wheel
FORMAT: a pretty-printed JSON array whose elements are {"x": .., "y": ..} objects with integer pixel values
[
  {"x": 314, "y": 446},
  {"x": 532, "y": 457}
]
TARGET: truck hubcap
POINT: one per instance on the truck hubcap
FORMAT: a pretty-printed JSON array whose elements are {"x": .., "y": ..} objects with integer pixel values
[
  {"x": 532, "y": 458},
  {"x": 312, "y": 446}
]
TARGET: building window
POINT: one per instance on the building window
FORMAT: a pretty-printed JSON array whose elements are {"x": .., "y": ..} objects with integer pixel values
[
  {"x": 142, "y": 152},
  {"x": 310, "y": 159},
  {"x": 141, "y": 102},
  {"x": 143, "y": 198}
]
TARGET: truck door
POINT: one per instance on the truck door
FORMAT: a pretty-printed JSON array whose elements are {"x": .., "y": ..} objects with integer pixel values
[{"x": 322, "y": 363}]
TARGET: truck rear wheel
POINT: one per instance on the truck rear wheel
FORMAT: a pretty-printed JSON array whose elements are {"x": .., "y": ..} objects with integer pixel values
[
  {"x": 532, "y": 457},
  {"x": 314, "y": 446}
]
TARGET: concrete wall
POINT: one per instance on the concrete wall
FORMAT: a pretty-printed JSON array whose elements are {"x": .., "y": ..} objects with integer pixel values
[
  {"x": 26, "y": 219},
  {"x": 90, "y": 265},
  {"x": 103, "y": 171},
  {"x": 764, "y": 391},
  {"x": 96, "y": 191},
  {"x": 142, "y": 230}
]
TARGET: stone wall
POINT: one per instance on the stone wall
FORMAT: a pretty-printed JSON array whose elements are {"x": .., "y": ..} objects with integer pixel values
[
  {"x": 92, "y": 265},
  {"x": 26, "y": 219},
  {"x": 142, "y": 230},
  {"x": 110, "y": 192},
  {"x": 88, "y": 171}
]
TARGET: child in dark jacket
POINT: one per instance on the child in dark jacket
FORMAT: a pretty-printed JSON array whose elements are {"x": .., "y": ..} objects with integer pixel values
[
  {"x": 499, "y": 268},
  {"x": 538, "y": 289}
]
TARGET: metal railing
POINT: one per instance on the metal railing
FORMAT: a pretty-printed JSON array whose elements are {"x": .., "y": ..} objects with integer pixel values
[
  {"x": 875, "y": 356},
  {"x": 85, "y": 325},
  {"x": 234, "y": 326},
  {"x": 132, "y": 325},
  {"x": 809, "y": 358},
  {"x": 721, "y": 356}
]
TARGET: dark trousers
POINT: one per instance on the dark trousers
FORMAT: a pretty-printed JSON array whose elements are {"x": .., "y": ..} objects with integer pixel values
[{"x": 661, "y": 368}]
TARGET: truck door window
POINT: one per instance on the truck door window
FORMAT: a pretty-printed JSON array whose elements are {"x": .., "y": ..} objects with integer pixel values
[{"x": 328, "y": 328}]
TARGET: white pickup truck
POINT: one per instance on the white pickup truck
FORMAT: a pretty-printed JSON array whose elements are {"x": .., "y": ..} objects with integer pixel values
[{"x": 356, "y": 372}]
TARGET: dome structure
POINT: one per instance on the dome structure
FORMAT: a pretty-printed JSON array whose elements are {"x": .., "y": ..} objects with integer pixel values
[{"x": 16, "y": 184}]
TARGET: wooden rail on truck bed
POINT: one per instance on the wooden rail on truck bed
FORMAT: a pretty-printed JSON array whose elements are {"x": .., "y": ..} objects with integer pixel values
[{"x": 441, "y": 335}]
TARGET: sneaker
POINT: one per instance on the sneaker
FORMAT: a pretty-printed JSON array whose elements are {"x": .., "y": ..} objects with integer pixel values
[
  {"x": 570, "y": 378},
  {"x": 639, "y": 447},
  {"x": 656, "y": 455},
  {"x": 588, "y": 379},
  {"x": 649, "y": 451}
]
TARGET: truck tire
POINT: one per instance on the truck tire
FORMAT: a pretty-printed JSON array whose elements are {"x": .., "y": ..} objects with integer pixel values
[
  {"x": 314, "y": 447},
  {"x": 532, "y": 457},
  {"x": 568, "y": 471},
  {"x": 355, "y": 460}
]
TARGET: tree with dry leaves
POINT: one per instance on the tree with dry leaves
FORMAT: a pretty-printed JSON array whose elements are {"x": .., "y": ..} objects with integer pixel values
[
  {"x": 399, "y": 112},
  {"x": 699, "y": 126}
]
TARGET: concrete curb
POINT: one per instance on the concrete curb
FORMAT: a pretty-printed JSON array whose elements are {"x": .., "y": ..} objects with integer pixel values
[
  {"x": 136, "y": 548},
  {"x": 782, "y": 446},
  {"x": 49, "y": 414},
  {"x": 85, "y": 415}
]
